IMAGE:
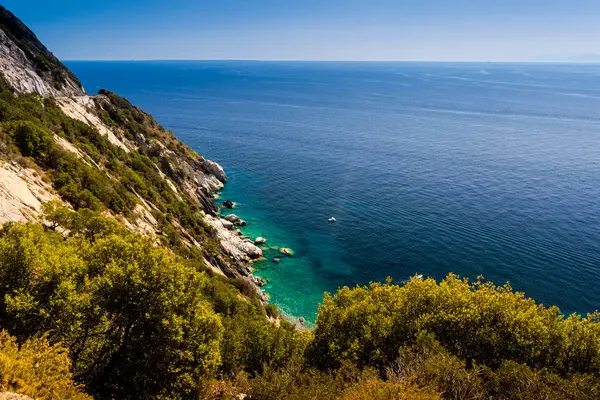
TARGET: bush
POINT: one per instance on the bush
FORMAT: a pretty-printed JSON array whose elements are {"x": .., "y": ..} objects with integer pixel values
[
  {"x": 479, "y": 323},
  {"x": 376, "y": 389},
  {"x": 37, "y": 369},
  {"x": 31, "y": 139}
]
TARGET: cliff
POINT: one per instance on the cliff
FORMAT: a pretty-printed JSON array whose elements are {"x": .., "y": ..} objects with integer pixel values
[
  {"x": 28, "y": 65},
  {"x": 121, "y": 146}
]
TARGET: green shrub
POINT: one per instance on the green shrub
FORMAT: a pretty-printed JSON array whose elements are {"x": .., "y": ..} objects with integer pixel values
[
  {"x": 31, "y": 139},
  {"x": 37, "y": 369},
  {"x": 479, "y": 323}
]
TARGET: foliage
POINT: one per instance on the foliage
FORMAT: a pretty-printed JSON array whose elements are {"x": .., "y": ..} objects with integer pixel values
[
  {"x": 36, "y": 369},
  {"x": 376, "y": 389},
  {"x": 132, "y": 316},
  {"x": 477, "y": 322}
]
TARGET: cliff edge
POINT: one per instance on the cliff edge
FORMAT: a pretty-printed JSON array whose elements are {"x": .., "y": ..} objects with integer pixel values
[{"x": 107, "y": 155}]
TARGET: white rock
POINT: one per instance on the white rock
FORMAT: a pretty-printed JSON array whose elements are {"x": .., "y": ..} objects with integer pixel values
[
  {"x": 227, "y": 224},
  {"x": 260, "y": 240},
  {"x": 231, "y": 218},
  {"x": 216, "y": 170},
  {"x": 22, "y": 76},
  {"x": 252, "y": 250}
]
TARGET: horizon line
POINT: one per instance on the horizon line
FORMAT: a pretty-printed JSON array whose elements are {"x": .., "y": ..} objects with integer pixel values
[{"x": 329, "y": 61}]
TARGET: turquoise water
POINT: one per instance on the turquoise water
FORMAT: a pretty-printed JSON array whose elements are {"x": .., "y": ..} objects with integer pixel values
[{"x": 489, "y": 169}]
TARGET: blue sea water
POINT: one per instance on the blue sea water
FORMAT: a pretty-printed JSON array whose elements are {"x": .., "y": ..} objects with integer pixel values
[{"x": 476, "y": 169}]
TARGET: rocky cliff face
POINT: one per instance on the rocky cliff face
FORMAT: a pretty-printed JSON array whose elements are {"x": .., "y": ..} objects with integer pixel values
[
  {"x": 178, "y": 175},
  {"x": 28, "y": 65}
]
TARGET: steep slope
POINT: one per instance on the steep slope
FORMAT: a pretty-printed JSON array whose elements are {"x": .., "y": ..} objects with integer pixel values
[
  {"x": 107, "y": 154},
  {"x": 28, "y": 65}
]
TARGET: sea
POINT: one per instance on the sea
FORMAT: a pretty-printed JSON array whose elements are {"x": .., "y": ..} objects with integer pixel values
[{"x": 476, "y": 169}]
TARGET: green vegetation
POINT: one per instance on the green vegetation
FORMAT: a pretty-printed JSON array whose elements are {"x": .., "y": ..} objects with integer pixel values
[
  {"x": 107, "y": 177},
  {"x": 139, "y": 321},
  {"x": 37, "y": 369}
]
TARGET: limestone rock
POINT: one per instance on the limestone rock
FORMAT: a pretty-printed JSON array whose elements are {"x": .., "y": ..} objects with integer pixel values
[
  {"x": 252, "y": 251},
  {"x": 215, "y": 169},
  {"x": 21, "y": 68},
  {"x": 227, "y": 224},
  {"x": 231, "y": 218}
]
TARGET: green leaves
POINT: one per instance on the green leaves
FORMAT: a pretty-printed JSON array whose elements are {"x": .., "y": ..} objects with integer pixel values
[
  {"x": 128, "y": 311},
  {"x": 477, "y": 322}
]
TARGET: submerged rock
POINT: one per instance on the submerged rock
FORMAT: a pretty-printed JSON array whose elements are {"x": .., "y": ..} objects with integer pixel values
[
  {"x": 276, "y": 259},
  {"x": 260, "y": 240},
  {"x": 240, "y": 222},
  {"x": 286, "y": 251}
]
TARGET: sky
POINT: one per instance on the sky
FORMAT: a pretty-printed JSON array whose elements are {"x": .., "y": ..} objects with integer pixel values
[{"x": 416, "y": 30}]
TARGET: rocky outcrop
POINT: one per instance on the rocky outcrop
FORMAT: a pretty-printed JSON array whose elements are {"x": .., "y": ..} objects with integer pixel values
[
  {"x": 228, "y": 204},
  {"x": 286, "y": 251},
  {"x": 215, "y": 169},
  {"x": 227, "y": 224},
  {"x": 231, "y": 218},
  {"x": 240, "y": 250},
  {"x": 22, "y": 193},
  {"x": 82, "y": 108},
  {"x": 28, "y": 66}
]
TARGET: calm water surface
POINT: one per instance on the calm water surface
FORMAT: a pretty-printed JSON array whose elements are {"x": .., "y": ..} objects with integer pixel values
[{"x": 489, "y": 169}]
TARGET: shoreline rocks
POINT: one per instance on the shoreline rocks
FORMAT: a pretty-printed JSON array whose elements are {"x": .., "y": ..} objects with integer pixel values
[
  {"x": 228, "y": 204},
  {"x": 215, "y": 169},
  {"x": 240, "y": 250},
  {"x": 227, "y": 225},
  {"x": 260, "y": 240},
  {"x": 231, "y": 218}
]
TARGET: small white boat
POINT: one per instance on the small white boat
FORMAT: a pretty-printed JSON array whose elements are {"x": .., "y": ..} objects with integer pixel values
[{"x": 332, "y": 219}]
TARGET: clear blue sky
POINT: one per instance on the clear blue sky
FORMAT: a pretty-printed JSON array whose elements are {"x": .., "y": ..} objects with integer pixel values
[{"x": 467, "y": 30}]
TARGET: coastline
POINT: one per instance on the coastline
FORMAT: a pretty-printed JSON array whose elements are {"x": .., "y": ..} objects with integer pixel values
[{"x": 252, "y": 256}]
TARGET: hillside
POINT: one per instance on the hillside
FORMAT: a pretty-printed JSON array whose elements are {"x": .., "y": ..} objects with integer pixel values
[{"x": 119, "y": 280}]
